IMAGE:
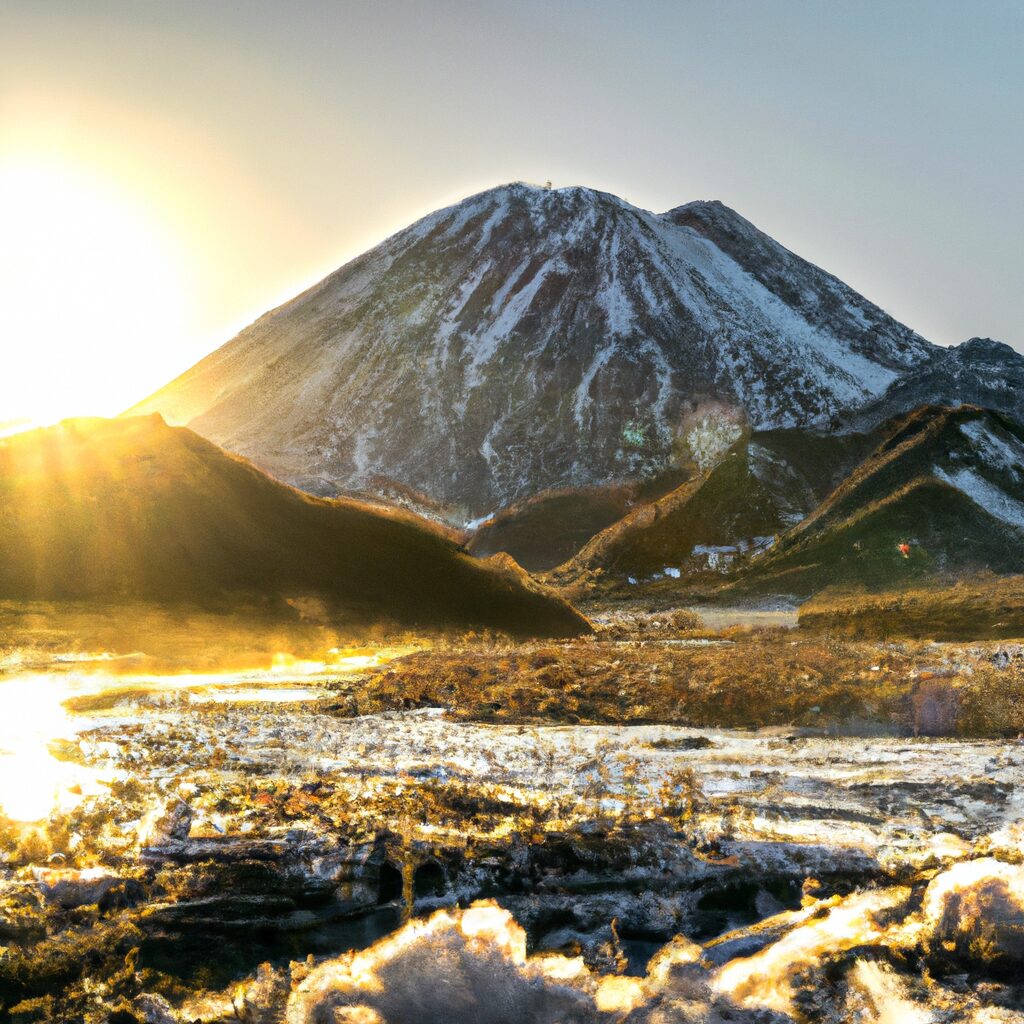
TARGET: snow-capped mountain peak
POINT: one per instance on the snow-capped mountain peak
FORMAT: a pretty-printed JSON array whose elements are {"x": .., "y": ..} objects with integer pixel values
[{"x": 528, "y": 338}]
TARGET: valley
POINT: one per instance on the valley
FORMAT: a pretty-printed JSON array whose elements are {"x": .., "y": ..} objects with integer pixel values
[{"x": 562, "y": 612}]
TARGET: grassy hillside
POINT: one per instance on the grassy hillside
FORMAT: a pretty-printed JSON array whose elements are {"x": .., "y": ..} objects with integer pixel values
[
  {"x": 729, "y": 504},
  {"x": 978, "y": 608},
  {"x": 764, "y": 485},
  {"x": 132, "y": 508},
  {"x": 905, "y": 493},
  {"x": 951, "y": 535},
  {"x": 919, "y": 444},
  {"x": 801, "y": 467}
]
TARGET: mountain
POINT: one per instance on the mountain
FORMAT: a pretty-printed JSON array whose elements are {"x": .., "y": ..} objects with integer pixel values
[
  {"x": 978, "y": 372},
  {"x": 780, "y": 508},
  {"x": 132, "y": 508},
  {"x": 763, "y": 485},
  {"x": 529, "y": 339},
  {"x": 547, "y": 529},
  {"x": 677, "y": 534},
  {"x": 947, "y": 483}
]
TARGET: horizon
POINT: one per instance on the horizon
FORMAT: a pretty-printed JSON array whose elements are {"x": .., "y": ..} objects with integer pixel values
[{"x": 172, "y": 175}]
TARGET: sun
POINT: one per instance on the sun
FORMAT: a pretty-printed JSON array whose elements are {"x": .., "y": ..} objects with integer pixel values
[{"x": 94, "y": 294}]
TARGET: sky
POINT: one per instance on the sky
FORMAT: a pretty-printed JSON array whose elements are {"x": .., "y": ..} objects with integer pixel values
[{"x": 169, "y": 171}]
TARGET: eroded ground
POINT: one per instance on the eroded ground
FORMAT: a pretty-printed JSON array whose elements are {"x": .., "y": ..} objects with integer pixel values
[{"x": 222, "y": 840}]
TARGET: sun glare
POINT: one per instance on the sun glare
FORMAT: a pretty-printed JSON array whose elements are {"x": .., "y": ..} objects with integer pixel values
[{"x": 93, "y": 292}]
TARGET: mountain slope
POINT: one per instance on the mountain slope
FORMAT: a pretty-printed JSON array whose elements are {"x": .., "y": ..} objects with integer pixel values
[
  {"x": 528, "y": 339},
  {"x": 132, "y": 508},
  {"x": 547, "y": 529},
  {"x": 948, "y": 483},
  {"x": 764, "y": 485},
  {"x": 978, "y": 372},
  {"x": 543, "y": 531},
  {"x": 678, "y": 531}
]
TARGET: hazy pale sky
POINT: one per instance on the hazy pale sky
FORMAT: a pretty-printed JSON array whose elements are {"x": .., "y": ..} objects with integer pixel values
[{"x": 170, "y": 171}]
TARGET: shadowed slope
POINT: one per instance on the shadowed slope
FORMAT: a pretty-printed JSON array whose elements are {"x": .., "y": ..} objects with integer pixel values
[
  {"x": 980, "y": 372},
  {"x": 132, "y": 508},
  {"x": 551, "y": 527},
  {"x": 762, "y": 486},
  {"x": 947, "y": 482}
]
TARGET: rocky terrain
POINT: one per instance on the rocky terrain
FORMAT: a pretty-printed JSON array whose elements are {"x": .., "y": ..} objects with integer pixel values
[
  {"x": 979, "y": 372},
  {"x": 527, "y": 339},
  {"x": 268, "y": 754},
  {"x": 598, "y": 873}
]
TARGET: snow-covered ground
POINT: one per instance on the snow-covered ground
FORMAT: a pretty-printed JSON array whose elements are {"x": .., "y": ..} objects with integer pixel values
[
  {"x": 889, "y": 796},
  {"x": 935, "y": 823}
]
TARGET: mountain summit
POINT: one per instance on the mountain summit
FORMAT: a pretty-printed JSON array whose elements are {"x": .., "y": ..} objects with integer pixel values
[{"x": 529, "y": 338}]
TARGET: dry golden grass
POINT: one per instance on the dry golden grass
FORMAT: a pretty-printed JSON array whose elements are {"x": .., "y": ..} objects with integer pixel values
[
  {"x": 757, "y": 679},
  {"x": 985, "y": 607}
]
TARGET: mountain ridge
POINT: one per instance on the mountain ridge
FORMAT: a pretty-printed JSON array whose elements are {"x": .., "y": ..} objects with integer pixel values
[
  {"x": 942, "y": 495},
  {"x": 134, "y": 509},
  {"x": 979, "y": 371},
  {"x": 772, "y": 513}
]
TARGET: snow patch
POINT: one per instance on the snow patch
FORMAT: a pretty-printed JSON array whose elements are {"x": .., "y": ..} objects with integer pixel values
[
  {"x": 582, "y": 397},
  {"x": 488, "y": 342},
  {"x": 474, "y": 524},
  {"x": 984, "y": 493},
  {"x": 999, "y": 452}
]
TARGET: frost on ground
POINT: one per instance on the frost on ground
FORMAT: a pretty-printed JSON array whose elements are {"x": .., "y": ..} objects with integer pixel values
[{"x": 591, "y": 873}]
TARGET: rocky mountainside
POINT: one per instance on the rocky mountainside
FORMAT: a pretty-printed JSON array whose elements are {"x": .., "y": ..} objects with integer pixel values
[
  {"x": 943, "y": 494},
  {"x": 980, "y": 372},
  {"x": 783, "y": 505},
  {"x": 132, "y": 509},
  {"x": 528, "y": 339}
]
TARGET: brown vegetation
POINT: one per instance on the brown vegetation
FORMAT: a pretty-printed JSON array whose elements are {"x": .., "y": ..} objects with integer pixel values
[
  {"x": 752, "y": 680},
  {"x": 987, "y": 607}
]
